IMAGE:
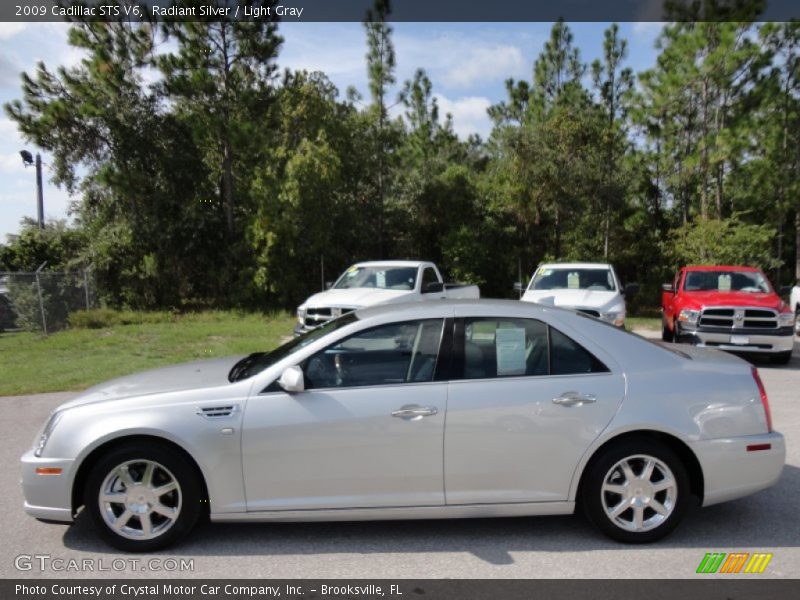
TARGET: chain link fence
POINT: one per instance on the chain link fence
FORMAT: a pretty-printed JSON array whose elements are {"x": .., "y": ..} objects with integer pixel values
[{"x": 43, "y": 300}]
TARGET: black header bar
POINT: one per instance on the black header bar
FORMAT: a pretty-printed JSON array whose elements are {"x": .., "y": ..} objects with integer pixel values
[{"x": 402, "y": 10}]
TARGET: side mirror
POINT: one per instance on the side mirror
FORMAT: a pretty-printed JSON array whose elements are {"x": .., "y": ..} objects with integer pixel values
[
  {"x": 328, "y": 285},
  {"x": 292, "y": 380},
  {"x": 667, "y": 287},
  {"x": 433, "y": 287},
  {"x": 786, "y": 290},
  {"x": 518, "y": 287},
  {"x": 630, "y": 289}
]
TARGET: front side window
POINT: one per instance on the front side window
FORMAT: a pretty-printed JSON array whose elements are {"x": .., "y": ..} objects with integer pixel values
[
  {"x": 428, "y": 277},
  {"x": 388, "y": 354},
  {"x": 507, "y": 347}
]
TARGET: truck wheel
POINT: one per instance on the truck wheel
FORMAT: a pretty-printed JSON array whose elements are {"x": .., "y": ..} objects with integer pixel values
[
  {"x": 143, "y": 498},
  {"x": 636, "y": 491},
  {"x": 666, "y": 334},
  {"x": 781, "y": 358}
]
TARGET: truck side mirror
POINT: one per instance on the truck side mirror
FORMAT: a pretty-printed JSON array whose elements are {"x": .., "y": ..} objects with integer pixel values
[
  {"x": 630, "y": 289},
  {"x": 667, "y": 287},
  {"x": 433, "y": 287},
  {"x": 518, "y": 287},
  {"x": 328, "y": 285}
]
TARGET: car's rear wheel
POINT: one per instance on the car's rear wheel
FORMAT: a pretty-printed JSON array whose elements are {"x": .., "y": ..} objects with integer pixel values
[
  {"x": 143, "y": 498},
  {"x": 636, "y": 491}
]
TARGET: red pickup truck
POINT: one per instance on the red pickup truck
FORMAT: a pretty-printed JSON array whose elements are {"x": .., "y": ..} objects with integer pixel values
[{"x": 730, "y": 308}]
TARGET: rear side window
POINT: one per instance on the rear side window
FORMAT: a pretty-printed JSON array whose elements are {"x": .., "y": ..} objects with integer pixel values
[
  {"x": 567, "y": 357},
  {"x": 504, "y": 347}
]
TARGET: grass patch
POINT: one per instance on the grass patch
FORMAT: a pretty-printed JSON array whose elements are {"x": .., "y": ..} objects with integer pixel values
[
  {"x": 653, "y": 323},
  {"x": 107, "y": 346}
]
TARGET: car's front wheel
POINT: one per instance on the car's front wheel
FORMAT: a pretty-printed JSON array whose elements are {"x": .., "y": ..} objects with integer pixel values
[
  {"x": 141, "y": 498},
  {"x": 636, "y": 491},
  {"x": 781, "y": 358}
]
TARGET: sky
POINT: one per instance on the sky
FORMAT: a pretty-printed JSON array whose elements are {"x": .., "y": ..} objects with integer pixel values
[{"x": 468, "y": 64}]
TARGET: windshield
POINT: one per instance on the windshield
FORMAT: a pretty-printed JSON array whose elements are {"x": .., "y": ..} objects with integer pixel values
[
  {"x": 258, "y": 361},
  {"x": 385, "y": 278},
  {"x": 573, "y": 279},
  {"x": 726, "y": 281}
]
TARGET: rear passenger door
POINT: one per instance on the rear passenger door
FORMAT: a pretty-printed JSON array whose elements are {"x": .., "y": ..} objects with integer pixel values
[{"x": 525, "y": 401}]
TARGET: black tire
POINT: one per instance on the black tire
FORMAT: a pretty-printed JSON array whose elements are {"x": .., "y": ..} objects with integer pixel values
[
  {"x": 169, "y": 464},
  {"x": 603, "y": 466},
  {"x": 781, "y": 358},
  {"x": 666, "y": 334}
]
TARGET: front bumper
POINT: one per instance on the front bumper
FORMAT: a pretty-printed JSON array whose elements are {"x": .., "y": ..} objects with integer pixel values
[
  {"x": 762, "y": 341},
  {"x": 47, "y": 496},
  {"x": 732, "y": 471}
]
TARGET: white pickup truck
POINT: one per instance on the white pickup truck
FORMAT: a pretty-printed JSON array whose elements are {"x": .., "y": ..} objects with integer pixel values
[
  {"x": 591, "y": 288},
  {"x": 378, "y": 282}
]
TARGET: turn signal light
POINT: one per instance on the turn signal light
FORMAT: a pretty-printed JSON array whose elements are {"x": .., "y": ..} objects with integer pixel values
[{"x": 48, "y": 470}]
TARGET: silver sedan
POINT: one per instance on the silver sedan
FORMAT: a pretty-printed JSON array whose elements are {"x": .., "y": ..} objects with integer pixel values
[{"x": 427, "y": 410}]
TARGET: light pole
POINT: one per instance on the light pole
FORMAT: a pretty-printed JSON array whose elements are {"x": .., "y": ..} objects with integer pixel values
[{"x": 27, "y": 160}]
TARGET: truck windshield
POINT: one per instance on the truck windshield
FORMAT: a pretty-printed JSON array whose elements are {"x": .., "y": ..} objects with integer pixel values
[
  {"x": 385, "y": 278},
  {"x": 573, "y": 279},
  {"x": 726, "y": 281}
]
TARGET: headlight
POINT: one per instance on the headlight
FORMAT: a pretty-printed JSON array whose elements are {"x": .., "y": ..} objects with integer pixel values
[
  {"x": 615, "y": 317},
  {"x": 785, "y": 319},
  {"x": 301, "y": 315},
  {"x": 46, "y": 432},
  {"x": 689, "y": 316}
]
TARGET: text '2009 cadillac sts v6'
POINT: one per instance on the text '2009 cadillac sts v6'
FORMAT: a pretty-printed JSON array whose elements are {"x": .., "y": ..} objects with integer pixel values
[{"x": 427, "y": 410}]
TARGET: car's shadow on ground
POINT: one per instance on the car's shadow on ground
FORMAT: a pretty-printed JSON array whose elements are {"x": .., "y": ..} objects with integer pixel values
[{"x": 769, "y": 519}]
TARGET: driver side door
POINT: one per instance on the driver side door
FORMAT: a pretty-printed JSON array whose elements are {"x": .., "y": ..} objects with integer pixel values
[{"x": 367, "y": 432}]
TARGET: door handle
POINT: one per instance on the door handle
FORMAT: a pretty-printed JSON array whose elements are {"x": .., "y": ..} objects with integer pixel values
[
  {"x": 413, "y": 412},
  {"x": 574, "y": 399}
]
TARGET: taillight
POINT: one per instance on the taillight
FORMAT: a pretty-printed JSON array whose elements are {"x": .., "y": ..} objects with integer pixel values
[{"x": 764, "y": 400}]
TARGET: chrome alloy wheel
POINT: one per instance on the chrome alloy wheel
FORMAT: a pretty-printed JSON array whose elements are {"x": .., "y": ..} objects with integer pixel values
[
  {"x": 639, "y": 493},
  {"x": 140, "y": 499}
]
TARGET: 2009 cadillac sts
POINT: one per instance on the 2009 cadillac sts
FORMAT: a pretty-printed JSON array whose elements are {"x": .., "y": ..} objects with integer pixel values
[{"x": 425, "y": 410}]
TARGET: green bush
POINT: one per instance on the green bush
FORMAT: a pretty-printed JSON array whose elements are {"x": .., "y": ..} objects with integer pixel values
[{"x": 99, "y": 318}]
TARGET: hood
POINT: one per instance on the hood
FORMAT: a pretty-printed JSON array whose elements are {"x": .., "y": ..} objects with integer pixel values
[
  {"x": 716, "y": 298},
  {"x": 355, "y": 297},
  {"x": 187, "y": 376},
  {"x": 596, "y": 299}
]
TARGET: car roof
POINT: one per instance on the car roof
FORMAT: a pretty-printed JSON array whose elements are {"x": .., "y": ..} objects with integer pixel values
[
  {"x": 575, "y": 265},
  {"x": 720, "y": 268},
  {"x": 449, "y": 307},
  {"x": 391, "y": 263}
]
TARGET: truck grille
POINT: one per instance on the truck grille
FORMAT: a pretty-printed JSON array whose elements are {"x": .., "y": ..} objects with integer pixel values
[
  {"x": 739, "y": 318},
  {"x": 319, "y": 316}
]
